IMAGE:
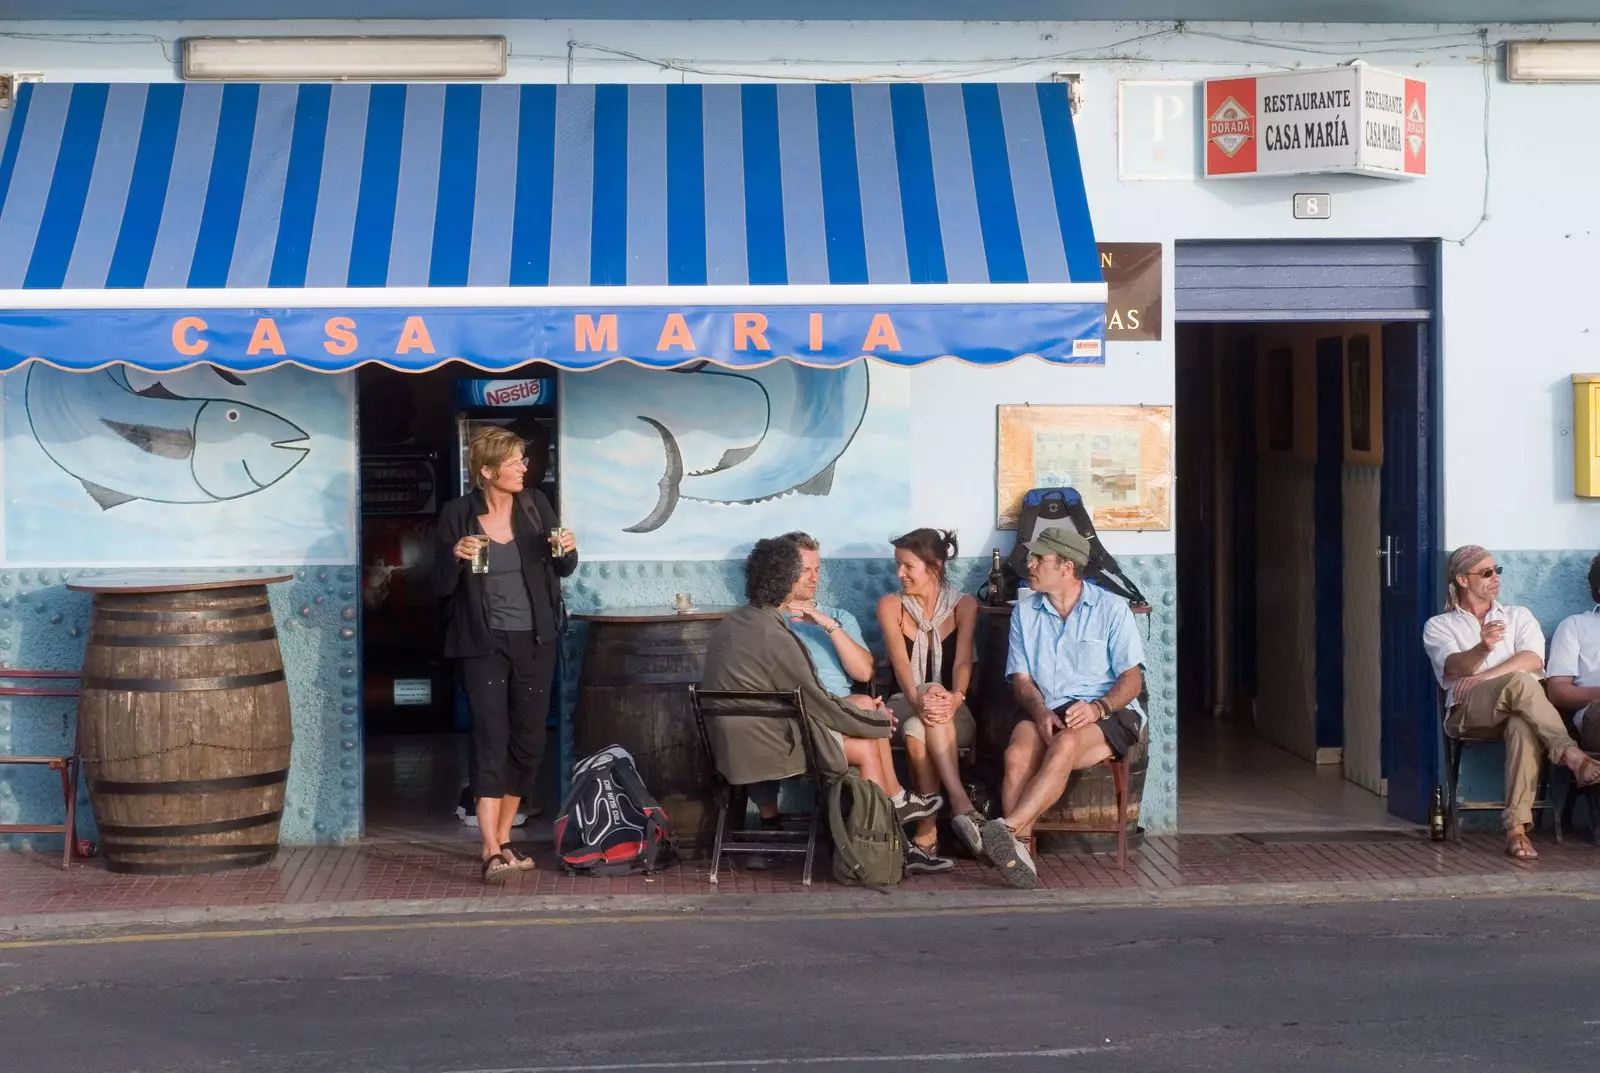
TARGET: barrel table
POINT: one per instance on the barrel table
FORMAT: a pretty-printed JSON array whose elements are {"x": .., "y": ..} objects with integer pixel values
[
  {"x": 638, "y": 665},
  {"x": 1091, "y": 800},
  {"x": 183, "y": 721}
]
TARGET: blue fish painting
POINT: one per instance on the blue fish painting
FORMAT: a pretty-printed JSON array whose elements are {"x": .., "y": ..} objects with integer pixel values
[
  {"x": 812, "y": 417},
  {"x": 127, "y": 439}
]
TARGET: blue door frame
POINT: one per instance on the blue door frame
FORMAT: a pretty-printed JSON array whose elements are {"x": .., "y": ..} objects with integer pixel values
[{"x": 1395, "y": 283}]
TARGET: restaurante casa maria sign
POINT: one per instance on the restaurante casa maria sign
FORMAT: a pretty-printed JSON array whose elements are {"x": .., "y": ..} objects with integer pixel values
[{"x": 1352, "y": 119}]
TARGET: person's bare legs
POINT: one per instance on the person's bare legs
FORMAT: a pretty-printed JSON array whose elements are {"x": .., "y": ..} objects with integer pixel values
[
  {"x": 1068, "y": 751},
  {"x": 868, "y": 755},
  {"x": 943, "y": 750},
  {"x": 506, "y": 819},
  {"x": 924, "y": 780},
  {"x": 1022, "y": 759},
  {"x": 488, "y": 809}
]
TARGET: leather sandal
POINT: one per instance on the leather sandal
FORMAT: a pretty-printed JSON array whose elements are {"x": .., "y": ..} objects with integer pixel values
[
  {"x": 497, "y": 869},
  {"x": 1520, "y": 847},
  {"x": 517, "y": 860},
  {"x": 1588, "y": 773}
]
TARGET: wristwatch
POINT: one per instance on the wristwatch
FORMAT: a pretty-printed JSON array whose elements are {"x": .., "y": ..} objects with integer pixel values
[{"x": 831, "y": 630}]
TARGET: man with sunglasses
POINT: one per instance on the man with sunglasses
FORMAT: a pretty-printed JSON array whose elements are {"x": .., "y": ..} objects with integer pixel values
[{"x": 1489, "y": 659}]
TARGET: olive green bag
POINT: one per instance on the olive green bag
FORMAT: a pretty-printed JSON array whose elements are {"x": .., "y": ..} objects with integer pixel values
[{"x": 868, "y": 845}]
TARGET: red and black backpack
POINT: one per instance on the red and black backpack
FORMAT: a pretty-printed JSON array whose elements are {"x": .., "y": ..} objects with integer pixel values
[{"x": 609, "y": 825}]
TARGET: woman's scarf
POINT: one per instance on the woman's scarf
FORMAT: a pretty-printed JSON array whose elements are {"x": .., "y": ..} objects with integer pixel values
[{"x": 926, "y": 644}]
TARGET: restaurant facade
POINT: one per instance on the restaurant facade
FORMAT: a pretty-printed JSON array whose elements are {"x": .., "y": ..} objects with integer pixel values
[{"x": 815, "y": 289}]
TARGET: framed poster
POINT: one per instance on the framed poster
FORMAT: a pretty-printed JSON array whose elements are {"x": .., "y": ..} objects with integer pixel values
[
  {"x": 1119, "y": 458},
  {"x": 1363, "y": 401}
]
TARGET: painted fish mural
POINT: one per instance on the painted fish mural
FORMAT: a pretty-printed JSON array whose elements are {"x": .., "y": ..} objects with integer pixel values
[
  {"x": 136, "y": 438},
  {"x": 812, "y": 417}
]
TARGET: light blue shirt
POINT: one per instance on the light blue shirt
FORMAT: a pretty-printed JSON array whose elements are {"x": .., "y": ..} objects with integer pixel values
[
  {"x": 1076, "y": 658},
  {"x": 830, "y": 672}
]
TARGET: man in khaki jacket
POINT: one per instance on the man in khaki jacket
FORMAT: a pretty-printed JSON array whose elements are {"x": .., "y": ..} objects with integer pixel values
[{"x": 754, "y": 650}]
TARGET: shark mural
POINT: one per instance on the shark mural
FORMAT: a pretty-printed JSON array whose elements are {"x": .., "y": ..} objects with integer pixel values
[
  {"x": 122, "y": 467},
  {"x": 699, "y": 462}
]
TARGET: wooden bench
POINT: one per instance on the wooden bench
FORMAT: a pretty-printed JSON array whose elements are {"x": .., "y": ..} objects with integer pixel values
[{"x": 65, "y": 766}]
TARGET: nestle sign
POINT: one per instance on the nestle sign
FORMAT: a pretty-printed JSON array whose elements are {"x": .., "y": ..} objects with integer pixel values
[{"x": 535, "y": 391}]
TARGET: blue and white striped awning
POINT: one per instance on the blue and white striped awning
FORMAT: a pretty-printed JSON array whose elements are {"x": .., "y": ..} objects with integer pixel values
[{"x": 516, "y": 218}]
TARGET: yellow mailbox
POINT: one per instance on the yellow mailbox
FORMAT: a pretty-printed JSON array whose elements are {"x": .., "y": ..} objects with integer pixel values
[{"x": 1586, "y": 433}]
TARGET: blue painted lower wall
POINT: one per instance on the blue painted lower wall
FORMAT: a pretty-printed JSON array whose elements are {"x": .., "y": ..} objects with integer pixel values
[
  {"x": 43, "y": 623},
  {"x": 856, "y": 585}
]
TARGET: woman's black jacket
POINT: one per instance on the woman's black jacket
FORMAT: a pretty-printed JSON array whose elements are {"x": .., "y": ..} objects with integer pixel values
[{"x": 466, "y": 631}]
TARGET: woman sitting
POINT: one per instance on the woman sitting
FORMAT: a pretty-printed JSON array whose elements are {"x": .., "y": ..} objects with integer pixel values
[{"x": 934, "y": 626}]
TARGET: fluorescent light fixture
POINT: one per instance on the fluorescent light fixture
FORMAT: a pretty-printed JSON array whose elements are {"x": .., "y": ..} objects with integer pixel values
[
  {"x": 335, "y": 59},
  {"x": 1553, "y": 61}
]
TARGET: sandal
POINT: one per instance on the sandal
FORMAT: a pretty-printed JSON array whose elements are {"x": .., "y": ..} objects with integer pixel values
[
  {"x": 520, "y": 862},
  {"x": 1520, "y": 847},
  {"x": 497, "y": 869},
  {"x": 1588, "y": 772}
]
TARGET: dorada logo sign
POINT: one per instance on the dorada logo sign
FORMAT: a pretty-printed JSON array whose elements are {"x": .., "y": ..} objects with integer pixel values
[
  {"x": 1086, "y": 348},
  {"x": 1416, "y": 103},
  {"x": 1230, "y": 127}
]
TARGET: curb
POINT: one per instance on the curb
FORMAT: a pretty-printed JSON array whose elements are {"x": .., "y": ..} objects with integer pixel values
[{"x": 714, "y": 905}]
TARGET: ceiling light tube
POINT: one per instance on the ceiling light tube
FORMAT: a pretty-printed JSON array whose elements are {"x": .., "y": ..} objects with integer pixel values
[
  {"x": 337, "y": 59},
  {"x": 1553, "y": 61}
]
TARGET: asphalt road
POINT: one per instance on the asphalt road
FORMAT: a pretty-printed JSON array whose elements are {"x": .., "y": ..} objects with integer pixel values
[{"x": 1404, "y": 986}]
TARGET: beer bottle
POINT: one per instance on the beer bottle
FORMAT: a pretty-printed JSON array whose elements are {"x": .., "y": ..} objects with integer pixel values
[
  {"x": 994, "y": 593},
  {"x": 1436, "y": 816}
]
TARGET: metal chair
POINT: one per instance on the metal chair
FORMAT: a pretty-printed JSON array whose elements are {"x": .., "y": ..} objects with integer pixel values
[
  {"x": 65, "y": 766},
  {"x": 742, "y": 704},
  {"x": 1454, "y": 806}
]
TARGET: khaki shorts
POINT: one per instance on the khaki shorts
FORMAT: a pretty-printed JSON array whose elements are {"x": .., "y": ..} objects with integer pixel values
[{"x": 910, "y": 724}]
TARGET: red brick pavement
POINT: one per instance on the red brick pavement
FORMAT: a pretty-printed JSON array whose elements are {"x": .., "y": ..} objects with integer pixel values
[{"x": 33, "y": 887}]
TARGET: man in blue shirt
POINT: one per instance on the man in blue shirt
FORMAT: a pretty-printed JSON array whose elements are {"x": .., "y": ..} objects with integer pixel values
[{"x": 1074, "y": 669}]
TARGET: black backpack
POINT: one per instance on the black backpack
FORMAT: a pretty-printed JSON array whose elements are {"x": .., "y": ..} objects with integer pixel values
[
  {"x": 609, "y": 825},
  {"x": 1045, "y": 507}
]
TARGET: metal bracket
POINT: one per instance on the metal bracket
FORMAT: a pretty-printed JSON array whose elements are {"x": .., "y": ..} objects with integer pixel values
[
  {"x": 1074, "y": 82},
  {"x": 9, "y": 84}
]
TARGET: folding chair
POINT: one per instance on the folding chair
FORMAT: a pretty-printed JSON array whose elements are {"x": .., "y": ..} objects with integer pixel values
[
  {"x": 1454, "y": 806},
  {"x": 65, "y": 766},
  {"x": 740, "y": 704}
]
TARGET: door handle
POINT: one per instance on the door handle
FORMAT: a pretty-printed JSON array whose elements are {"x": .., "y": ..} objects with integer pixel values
[{"x": 1386, "y": 553}]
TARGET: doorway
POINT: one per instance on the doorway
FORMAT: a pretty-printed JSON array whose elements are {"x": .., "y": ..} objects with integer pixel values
[
  {"x": 1302, "y": 701},
  {"x": 413, "y": 432}
]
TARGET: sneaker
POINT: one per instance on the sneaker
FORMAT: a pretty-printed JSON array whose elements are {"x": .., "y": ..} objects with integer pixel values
[
  {"x": 967, "y": 831},
  {"x": 917, "y": 807},
  {"x": 920, "y": 860},
  {"x": 1000, "y": 845},
  {"x": 470, "y": 818}
]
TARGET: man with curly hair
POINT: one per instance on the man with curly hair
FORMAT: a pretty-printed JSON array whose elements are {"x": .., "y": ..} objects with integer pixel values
[{"x": 753, "y": 649}]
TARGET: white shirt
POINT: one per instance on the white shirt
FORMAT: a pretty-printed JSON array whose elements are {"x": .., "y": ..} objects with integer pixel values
[
  {"x": 1458, "y": 630},
  {"x": 1575, "y": 652}
]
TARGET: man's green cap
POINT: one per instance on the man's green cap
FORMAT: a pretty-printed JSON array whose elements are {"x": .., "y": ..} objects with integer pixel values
[{"x": 1058, "y": 540}]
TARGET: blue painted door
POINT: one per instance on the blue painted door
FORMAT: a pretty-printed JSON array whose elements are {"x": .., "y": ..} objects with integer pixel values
[{"x": 1411, "y": 760}]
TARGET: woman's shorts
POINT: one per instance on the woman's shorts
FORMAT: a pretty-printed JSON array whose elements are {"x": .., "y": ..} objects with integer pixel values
[{"x": 911, "y": 725}]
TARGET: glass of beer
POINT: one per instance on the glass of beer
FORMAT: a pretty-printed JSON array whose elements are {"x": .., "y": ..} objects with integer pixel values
[
  {"x": 556, "y": 533},
  {"x": 480, "y": 555}
]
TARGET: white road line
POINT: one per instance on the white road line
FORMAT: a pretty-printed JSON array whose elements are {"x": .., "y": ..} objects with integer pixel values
[{"x": 843, "y": 1059}]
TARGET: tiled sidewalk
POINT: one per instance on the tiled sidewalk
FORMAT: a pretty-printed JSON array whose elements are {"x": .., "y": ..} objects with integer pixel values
[{"x": 393, "y": 877}]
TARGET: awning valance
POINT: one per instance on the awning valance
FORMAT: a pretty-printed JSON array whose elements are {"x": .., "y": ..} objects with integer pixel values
[{"x": 249, "y": 225}]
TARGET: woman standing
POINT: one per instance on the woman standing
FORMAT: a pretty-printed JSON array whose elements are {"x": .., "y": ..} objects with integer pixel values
[
  {"x": 499, "y": 555},
  {"x": 935, "y": 626}
]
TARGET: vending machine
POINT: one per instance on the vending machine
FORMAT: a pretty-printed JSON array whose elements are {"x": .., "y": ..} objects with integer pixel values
[{"x": 527, "y": 405}]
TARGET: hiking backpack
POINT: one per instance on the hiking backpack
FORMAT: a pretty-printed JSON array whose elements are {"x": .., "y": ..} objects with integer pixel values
[
  {"x": 609, "y": 825},
  {"x": 868, "y": 845},
  {"x": 1045, "y": 507}
]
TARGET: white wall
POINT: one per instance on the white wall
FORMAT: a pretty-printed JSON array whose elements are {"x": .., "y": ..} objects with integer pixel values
[{"x": 1517, "y": 296}]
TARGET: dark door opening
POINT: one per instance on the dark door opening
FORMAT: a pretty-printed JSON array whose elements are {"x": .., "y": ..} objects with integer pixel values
[{"x": 1285, "y": 488}]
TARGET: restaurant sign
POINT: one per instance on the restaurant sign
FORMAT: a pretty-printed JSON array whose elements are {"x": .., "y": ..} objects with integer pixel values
[{"x": 1348, "y": 119}]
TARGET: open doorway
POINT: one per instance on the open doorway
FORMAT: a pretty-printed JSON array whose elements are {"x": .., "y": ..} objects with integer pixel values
[
  {"x": 1280, "y": 471},
  {"x": 414, "y": 429}
]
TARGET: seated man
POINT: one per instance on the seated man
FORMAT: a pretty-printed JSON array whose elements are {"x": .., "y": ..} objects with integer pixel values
[
  {"x": 1488, "y": 658},
  {"x": 1074, "y": 668},
  {"x": 753, "y": 649},
  {"x": 1574, "y": 668}
]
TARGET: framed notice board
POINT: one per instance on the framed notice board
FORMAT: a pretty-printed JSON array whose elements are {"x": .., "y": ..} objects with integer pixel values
[{"x": 1119, "y": 458}]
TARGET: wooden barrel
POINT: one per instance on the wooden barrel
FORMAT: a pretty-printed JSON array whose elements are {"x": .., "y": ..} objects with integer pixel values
[
  {"x": 634, "y": 692},
  {"x": 184, "y": 729}
]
